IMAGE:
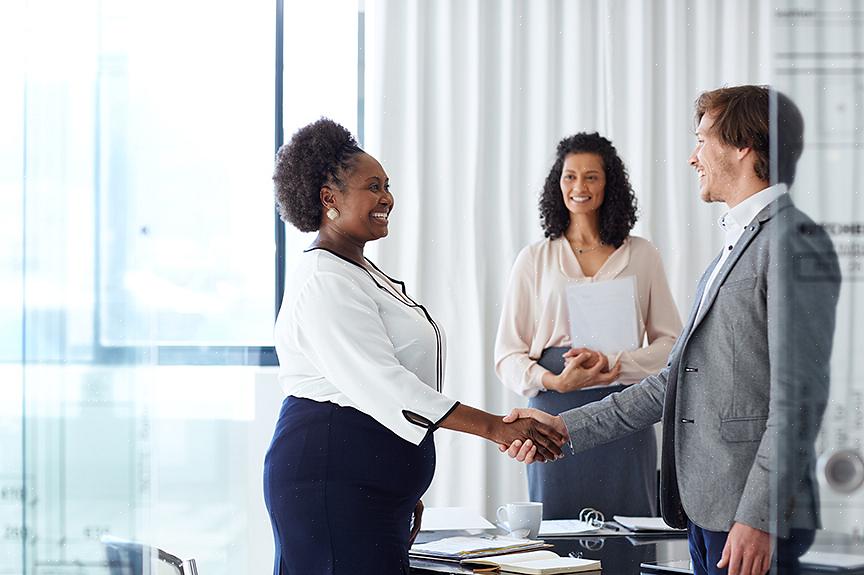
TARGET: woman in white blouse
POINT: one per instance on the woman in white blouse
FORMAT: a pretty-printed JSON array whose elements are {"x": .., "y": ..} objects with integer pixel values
[
  {"x": 362, "y": 365},
  {"x": 587, "y": 210}
]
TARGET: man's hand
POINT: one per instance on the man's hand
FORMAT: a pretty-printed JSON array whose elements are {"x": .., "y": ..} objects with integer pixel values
[
  {"x": 582, "y": 368},
  {"x": 526, "y": 451},
  {"x": 747, "y": 552},
  {"x": 415, "y": 524}
]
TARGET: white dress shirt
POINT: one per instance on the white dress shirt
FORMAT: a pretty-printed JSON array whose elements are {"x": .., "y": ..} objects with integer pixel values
[
  {"x": 733, "y": 223},
  {"x": 347, "y": 335}
]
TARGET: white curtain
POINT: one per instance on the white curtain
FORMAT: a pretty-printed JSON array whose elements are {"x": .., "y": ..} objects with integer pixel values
[{"x": 465, "y": 103}]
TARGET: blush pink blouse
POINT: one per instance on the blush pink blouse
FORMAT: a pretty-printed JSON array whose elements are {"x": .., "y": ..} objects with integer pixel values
[{"x": 534, "y": 316}]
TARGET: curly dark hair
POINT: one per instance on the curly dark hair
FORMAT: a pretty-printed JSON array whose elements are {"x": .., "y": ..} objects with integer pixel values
[
  {"x": 618, "y": 211},
  {"x": 318, "y": 154}
]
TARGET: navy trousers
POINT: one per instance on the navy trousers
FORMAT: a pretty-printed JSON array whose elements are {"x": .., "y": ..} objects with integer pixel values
[
  {"x": 706, "y": 548},
  {"x": 340, "y": 489}
]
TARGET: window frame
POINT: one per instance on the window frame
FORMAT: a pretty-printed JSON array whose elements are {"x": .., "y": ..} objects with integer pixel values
[{"x": 264, "y": 356}]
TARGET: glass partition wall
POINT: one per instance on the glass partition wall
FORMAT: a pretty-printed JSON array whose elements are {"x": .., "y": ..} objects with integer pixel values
[
  {"x": 818, "y": 53},
  {"x": 147, "y": 259}
]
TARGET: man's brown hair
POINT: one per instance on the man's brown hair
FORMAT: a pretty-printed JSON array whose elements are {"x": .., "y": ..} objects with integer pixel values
[{"x": 754, "y": 117}]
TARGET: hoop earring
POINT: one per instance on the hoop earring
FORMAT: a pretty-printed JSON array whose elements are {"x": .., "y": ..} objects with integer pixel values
[{"x": 332, "y": 213}]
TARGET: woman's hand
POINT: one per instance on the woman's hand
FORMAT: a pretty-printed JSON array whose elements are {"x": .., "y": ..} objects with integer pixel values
[
  {"x": 415, "y": 524},
  {"x": 582, "y": 368}
]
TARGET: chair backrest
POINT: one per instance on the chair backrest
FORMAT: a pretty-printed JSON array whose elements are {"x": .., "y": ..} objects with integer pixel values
[{"x": 133, "y": 558}]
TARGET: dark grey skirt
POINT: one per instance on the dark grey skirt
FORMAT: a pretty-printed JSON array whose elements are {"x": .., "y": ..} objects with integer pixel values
[{"x": 618, "y": 478}]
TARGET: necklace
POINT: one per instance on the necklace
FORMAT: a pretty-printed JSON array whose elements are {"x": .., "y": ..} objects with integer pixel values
[{"x": 580, "y": 251}]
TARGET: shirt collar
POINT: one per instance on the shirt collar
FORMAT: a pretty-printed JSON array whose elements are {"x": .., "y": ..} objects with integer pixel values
[{"x": 743, "y": 213}]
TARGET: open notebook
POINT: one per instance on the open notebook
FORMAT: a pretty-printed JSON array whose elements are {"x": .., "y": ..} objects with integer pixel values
[{"x": 536, "y": 563}]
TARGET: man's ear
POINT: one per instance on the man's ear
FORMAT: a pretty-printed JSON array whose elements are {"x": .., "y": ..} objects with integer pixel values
[{"x": 742, "y": 152}]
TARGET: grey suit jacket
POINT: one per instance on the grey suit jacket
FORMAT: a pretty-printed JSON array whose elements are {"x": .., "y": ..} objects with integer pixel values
[{"x": 743, "y": 395}]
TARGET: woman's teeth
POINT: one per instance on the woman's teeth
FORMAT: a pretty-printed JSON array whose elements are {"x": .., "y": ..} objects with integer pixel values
[{"x": 580, "y": 199}]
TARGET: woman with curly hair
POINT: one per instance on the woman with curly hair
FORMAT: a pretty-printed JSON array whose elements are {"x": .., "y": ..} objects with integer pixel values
[
  {"x": 362, "y": 364},
  {"x": 587, "y": 209}
]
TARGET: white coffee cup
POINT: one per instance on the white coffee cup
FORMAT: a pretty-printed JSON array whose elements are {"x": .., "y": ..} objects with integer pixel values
[{"x": 521, "y": 518}]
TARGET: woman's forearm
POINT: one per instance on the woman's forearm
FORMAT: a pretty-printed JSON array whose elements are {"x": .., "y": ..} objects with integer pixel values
[{"x": 470, "y": 420}]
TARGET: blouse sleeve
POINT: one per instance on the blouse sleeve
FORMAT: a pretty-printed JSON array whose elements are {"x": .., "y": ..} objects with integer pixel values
[
  {"x": 339, "y": 329},
  {"x": 516, "y": 330},
  {"x": 662, "y": 326}
]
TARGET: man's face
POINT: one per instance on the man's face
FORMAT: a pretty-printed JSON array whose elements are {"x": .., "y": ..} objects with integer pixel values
[{"x": 714, "y": 162}]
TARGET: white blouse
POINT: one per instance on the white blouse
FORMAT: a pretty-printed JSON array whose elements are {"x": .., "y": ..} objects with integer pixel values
[{"x": 348, "y": 335}]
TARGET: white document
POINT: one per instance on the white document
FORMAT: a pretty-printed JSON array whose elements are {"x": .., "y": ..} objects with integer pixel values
[
  {"x": 452, "y": 519},
  {"x": 552, "y": 527},
  {"x": 837, "y": 561},
  {"x": 644, "y": 523},
  {"x": 603, "y": 315}
]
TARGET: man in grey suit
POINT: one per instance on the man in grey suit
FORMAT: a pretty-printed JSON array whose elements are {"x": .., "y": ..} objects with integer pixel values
[{"x": 743, "y": 394}]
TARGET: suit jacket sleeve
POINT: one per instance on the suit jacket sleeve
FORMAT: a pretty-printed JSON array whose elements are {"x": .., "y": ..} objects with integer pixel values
[
  {"x": 637, "y": 407},
  {"x": 803, "y": 288}
]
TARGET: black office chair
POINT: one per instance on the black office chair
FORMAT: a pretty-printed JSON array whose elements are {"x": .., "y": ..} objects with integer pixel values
[{"x": 132, "y": 558}]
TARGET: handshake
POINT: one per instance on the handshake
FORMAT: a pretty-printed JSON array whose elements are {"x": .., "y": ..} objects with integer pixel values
[
  {"x": 536, "y": 435},
  {"x": 531, "y": 435}
]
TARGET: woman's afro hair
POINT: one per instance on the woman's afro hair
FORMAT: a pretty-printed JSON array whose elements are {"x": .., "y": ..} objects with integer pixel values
[{"x": 317, "y": 155}]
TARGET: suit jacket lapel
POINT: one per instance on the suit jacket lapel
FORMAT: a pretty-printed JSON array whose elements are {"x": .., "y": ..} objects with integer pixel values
[
  {"x": 700, "y": 289},
  {"x": 750, "y": 232}
]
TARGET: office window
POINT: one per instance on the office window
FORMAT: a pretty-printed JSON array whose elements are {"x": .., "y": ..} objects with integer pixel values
[{"x": 138, "y": 258}]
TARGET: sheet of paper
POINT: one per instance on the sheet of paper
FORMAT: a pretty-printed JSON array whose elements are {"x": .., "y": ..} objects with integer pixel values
[
  {"x": 465, "y": 547},
  {"x": 452, "y": 519},
  {"x": 835, "y": 560},
  {"x": 644, "y": 523},
  {"x": 552, "y": 527},
  {"x": 603, "y": 315}
]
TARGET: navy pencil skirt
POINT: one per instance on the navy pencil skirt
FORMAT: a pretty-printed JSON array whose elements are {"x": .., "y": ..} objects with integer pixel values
[
  {"x": 340, "y": 489},
  {"x": 618, "y": 478}
]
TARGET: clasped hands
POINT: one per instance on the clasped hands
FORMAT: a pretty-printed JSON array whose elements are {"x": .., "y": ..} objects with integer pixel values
[{"x": 582, "y": 368}]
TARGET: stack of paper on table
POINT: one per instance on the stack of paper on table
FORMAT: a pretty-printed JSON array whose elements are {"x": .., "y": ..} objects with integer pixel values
[
  {"x": 557, "y": 527},
  {"x": 644, "y": 523},
  {"x": 461, "y": 548},
  {"x": 453, "y": 519},
  {"x": 537, "y": 563}
]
